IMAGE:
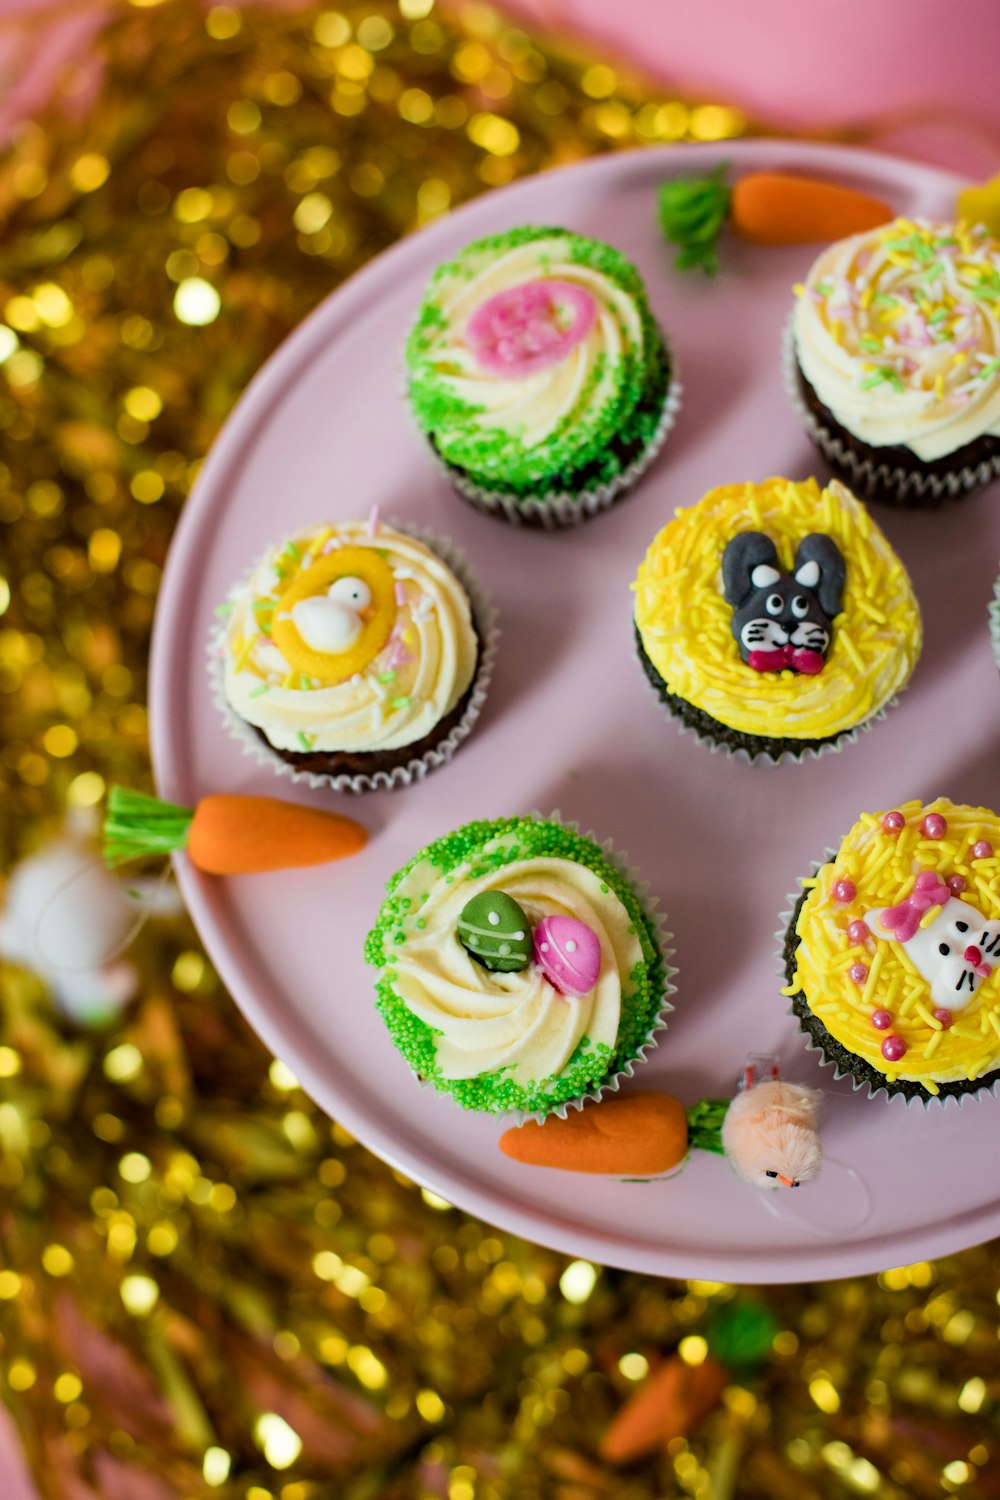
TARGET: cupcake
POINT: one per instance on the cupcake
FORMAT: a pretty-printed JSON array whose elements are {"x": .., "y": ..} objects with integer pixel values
[
  {"x": 891, "y": 952},
  {"x": 894, "y": 360},
  {"x": 536, "y": 372},
  {"x": 775, "y": 619},
  {"x": 355, "y": 654},
  {"x": 521, "y": 969}
]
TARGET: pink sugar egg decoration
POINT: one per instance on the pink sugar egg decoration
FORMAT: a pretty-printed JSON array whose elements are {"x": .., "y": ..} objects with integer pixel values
[{"x": 568, "y": 952}]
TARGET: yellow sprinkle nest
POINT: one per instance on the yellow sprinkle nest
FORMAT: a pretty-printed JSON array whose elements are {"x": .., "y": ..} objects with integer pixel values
[
  {"x": 685, "y": 622},
  {"x": 884, "y": 865}
]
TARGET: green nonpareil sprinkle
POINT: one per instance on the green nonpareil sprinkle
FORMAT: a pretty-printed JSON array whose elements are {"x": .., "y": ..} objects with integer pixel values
[
  {"x": 222, "y": 610},
  {"x": 882, "y": 377},
  {"x": 261, "y": 688},
  {"x": 403, "y": 702},
  {"x": 387, "y": 677},
  {"x": 304, "y": 740}
]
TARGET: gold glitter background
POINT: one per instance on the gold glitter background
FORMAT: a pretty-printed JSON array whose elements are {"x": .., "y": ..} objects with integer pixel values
[{"x": 207, "y": 1288}]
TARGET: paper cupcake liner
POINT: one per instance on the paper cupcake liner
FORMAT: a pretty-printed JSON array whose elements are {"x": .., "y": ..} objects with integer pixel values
[
  {"x": 866, "y": 476},
  {"x": 993, "y": 610},
  {"x": 484, "y": 617},
  {"x": 662, "y": 939},
  {"x": 558, "y": 509},
  {"x": 765, "y": 757},
  {"x": 926, "y": 1101}
]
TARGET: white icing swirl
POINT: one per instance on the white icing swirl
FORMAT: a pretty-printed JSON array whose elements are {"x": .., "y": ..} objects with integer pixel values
[
  {"x": 530, "y": 407},
  {"x": 516, "y": 1021},
  {"x": 409, "y": 687},
  {"x": 898, "y": 333}
]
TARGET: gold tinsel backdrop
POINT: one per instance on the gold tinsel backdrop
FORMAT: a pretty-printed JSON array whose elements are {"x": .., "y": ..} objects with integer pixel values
[{"x": 206, "y": 1287}]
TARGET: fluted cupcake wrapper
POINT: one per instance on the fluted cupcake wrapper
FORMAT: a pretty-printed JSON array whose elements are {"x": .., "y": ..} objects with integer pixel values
[
  {"x": 883, "y": 482},
  {"x": 994, "y": 617},
  {"x": 764, "y": 756},
  {"x": 874, "y": 1085},
  {"x": 485, "y": 619},
  {"x": 555, "y": 510},
  {"x": 663, "y": 940}
]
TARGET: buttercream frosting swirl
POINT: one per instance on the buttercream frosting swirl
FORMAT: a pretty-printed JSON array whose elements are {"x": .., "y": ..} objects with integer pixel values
[
  {"x": 515, "y": 1022},
  {"x": 394, "y": 699},
  {"x": 898, "y": 332},
  {"x": 526, "y": 423}
]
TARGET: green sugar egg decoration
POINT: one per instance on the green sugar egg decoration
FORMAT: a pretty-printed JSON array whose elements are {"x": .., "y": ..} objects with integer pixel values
[{"x": 493, "y": 928}]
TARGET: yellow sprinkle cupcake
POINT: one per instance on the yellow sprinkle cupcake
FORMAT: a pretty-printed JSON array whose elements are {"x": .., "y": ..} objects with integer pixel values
[
  {"x": 775, "y": 618},
  {"x": 892, "y": 952}
]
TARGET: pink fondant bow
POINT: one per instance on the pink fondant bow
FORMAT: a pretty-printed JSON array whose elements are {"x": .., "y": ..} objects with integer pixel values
[
  {"x": 903, "y": 920},
  {"x": 809, "y": 662}
]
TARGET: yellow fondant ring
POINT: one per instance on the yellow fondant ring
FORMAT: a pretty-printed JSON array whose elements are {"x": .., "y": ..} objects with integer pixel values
[{"x": 345, "y": 562}]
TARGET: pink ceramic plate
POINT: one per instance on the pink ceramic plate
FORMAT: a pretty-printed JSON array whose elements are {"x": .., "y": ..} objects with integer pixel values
[{"x": 570, "y": 724}]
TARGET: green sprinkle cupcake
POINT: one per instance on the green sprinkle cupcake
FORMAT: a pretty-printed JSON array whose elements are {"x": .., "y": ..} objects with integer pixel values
[
  {"x": 539, "y": 377},
  {"x": 521, "y": 971}
]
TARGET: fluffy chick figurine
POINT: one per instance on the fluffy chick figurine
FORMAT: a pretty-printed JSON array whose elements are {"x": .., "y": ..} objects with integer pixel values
[{"x": 769, "y": 1134}]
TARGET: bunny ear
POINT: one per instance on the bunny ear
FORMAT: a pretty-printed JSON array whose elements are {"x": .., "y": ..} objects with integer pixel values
[
  {"x": 749, "y": 562},
  {"x": 820, "y": 566}
]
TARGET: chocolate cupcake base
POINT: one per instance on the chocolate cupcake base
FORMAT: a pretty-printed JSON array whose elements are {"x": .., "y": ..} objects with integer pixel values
[
  {"x": 892, "y": 475},
  {"x": 330, "y": 763},
  {"x": 720, "y": 735},
  {"x": 849, "y": 1063}
]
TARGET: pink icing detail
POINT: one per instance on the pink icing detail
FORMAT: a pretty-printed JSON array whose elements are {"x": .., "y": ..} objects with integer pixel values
[
  {"x": 520, "y": 330},
  {"x": 893, "y": 822},
  {"x": 934, "y": 826},
  {"x": 945, "y": 1017},
  {"x": 982, "y": 850},
  {"x": 956, "y": 884},
  {"x": 809, "y": 662},
  {"x": 400, "y": 593},
  {"x": 858, "y": 931},
  {"x": 568, "y": 953},
  {"x": 845, "y": 890},
  {"x": 881, "y": 1020},
  {"x": 893, "y": 1048},
  {"x": 903, "y": 920},
  {"x": 857, "y": 973}
]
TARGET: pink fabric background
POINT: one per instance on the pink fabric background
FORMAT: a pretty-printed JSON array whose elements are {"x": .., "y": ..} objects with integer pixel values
[{"x": 916, "y": 79}]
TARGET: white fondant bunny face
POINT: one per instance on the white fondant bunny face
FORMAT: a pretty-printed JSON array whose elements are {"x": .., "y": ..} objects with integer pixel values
[{"x": 955, "y": 953}]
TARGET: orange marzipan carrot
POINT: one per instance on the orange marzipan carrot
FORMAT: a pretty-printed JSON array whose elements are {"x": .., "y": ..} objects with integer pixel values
[
  {"x": 674, "y": 1399},
  {"x": 238, "y": 835},
  {"x": 777, "y": 208},
  {"x": 636, "y": 1135}
]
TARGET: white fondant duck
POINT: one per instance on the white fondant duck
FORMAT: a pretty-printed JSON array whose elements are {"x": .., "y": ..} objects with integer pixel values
[{"x": 332, "y": 622}]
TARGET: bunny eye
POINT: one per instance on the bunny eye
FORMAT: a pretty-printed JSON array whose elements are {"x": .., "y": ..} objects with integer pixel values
[
  {"x": 775, "y": 604},
  {"x": 943, "y": 949},
  {"x": 800, "y": 607},
  {"x": 962, "y": 926}
]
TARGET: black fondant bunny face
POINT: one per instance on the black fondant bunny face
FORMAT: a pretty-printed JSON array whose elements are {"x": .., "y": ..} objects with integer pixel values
[{"x": 783, "y": 619}]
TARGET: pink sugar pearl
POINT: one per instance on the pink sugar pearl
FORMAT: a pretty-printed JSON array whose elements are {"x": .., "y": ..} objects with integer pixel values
[
  {"x": 944, "y": 1016},
  {"x": 881, "y": 1020},
  {"x": 893, "y": 1048},
  {"x": 982, "y": 850},
  {"x": 858, "y": 931},
  {"x": 956, "y": 884},
  {"x": 857, "y": 972},
  {"x": 845, "y": 890},
  {"x": 934, "y": 826},
  {"x": 892, "y": 822}
]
